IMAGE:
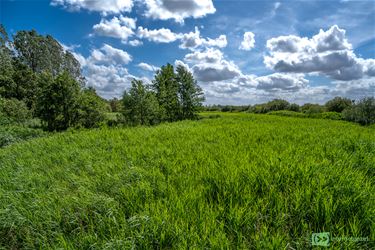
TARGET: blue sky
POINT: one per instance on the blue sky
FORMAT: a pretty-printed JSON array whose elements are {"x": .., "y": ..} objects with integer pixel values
[{"x": 241, "y": 52}]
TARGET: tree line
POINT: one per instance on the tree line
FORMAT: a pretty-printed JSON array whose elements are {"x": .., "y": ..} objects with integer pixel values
[
  {"x": 339, "y": 108},
  {"x": 40, "y": 79}
]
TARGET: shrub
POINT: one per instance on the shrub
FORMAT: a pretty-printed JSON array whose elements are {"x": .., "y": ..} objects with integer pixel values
[
  {"x": 294, "y": 107},
  {"x": 338, "y": 104},
  {"x": 12, "y": 134},
  {"x": 287, "y": 113},
  {"x": 327, "y": 115},
  {"x": 310, "y": 108},
  {"x": 15, "y": 110},
  {"x": 362, "y": 112},
  {"x": 91, "y": 109}
]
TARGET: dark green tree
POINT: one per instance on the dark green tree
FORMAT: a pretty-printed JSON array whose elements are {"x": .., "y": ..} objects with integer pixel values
[
  {"x": 167, "y": 88},
  {"x": 92, "y": 108},
  {"x": 45, "y": 54},
  {"x": 58, "y": 105},
  {"x": 6, "y": 67},
  {"x": 362, "y": 112},
  {"x": 140, "y": 105},
  {"x": 191, "y": 95},
  {"x": 338, "y": 104}
]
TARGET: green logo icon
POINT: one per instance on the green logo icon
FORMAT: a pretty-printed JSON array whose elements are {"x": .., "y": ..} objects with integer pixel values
[{"x": 320, "y": 239}]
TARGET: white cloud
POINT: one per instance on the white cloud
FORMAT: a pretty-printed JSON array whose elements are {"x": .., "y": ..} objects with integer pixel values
[
  {"x": 103, "y": 6},
  {"x": 162, "y": 35},
  {"x": 328, "y": 53},
  {"x": 210, "y": 65},
  {"x": 109, "y": 55},
  {"x": 118, "y": 27},
  {"x": 104, "y": 70},
  {"x": 178, "y": 10},
  {"x": 208, "y": 56},
  {"x": 135, "y": 43},
  {"x": 248, "y": 41},
  {"x": 147, "y": 67},
  {"x": 279, "y": 81},
  {"x": 193, "y": 40}
]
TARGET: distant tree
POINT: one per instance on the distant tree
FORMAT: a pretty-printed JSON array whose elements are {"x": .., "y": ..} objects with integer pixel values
[
  {"x": 362, "y": 112},
  {"x": 58, "y": 104},
  {"x": 140, "y": 105},
  {"x": 338, "y": 104},
  {"x": 115, "y": 105},
  {"x": 167, "y": 88},
  {"x": 310, "y": 108},
  {"x": 91, "y": 108},
  {"x": 191, "y": 95},
  {"x": 294, "y": 107}
]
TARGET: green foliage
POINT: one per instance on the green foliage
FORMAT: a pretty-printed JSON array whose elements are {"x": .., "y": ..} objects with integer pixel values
[
  {"x": 310, "y": 108},
  {"x": 288, "y": 113},
  {"x": 140, "y": 105},
  {"x": 115, "y": 105},
  {"x": 191, "y": 95},
  {"x": 294, "y": 107},
  {"x": 10, "y": 134},
  {"x": 173, "y": 96},
  {"x": 327, "y": 115},
  {"x": 92, "y": 109},
  {"x": 338, "y": 104},
  {"x": 15, "y": 110},
  {"x": 362, "y": 112},
  {"x": 243, "y": 181},
  {"x": 58, "y": 104},
  {"x": 166, "y": 88},
  {"x": 41, "y": 53},
  {"x": 274, "y": 105}
]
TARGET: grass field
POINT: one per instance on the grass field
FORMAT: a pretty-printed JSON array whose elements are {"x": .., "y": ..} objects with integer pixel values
[{"x": 238, "y": 181}]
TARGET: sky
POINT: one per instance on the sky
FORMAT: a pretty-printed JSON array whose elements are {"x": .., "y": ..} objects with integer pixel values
[{"x": 240, "y": 52}]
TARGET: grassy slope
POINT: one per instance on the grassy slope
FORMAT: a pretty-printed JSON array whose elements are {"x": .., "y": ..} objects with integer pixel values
[{"x": 240, "y": 181}]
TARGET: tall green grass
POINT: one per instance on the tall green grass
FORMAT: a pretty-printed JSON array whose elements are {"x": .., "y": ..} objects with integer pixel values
[{"x": 239, "y": 181}]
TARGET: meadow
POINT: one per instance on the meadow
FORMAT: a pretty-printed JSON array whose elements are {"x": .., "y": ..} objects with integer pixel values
[{"x": 227, "y": 181}]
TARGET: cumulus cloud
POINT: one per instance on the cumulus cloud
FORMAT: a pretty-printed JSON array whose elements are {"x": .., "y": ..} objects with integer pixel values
[
  {"x": 118, "y": 27},
  {"x": 210, "y": 65},
  {"x": 105, "y": 71},
  {"x": 279, "y": 81},
  {"x": 109, "y": 55},
  {"x": 328, "y": 53},
  {"x": 192, "y": 40},
  {"x": 147, "y": 67},
  {"x": 135, "y": 43},
  {"x": 177, "y": 9},
  {"x": 103, "y": 6},
  {"x": 162, "y": 35},
  {"x": 248, "y": 41}
]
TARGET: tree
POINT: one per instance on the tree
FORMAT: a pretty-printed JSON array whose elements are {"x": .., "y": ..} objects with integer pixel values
[
  {"x": 362, "y": 112},
  {"x": 6, "y": 67},
  {"x": 191, "y": 95},
  {"x": 14, "y": 109},
  {"x": 294, "y": 107},
  {"x": 310, "y": 108},
  {"x": 166, "y": 88},
  {"x": 140, "y": 105},
  {"x": 91, "y": 108},
  {"x": 115, "y": 105},
  {"x": 41, "y": 53},
  {"x": 338, "y": 104},
  {"x": 58, "y": 103}
]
